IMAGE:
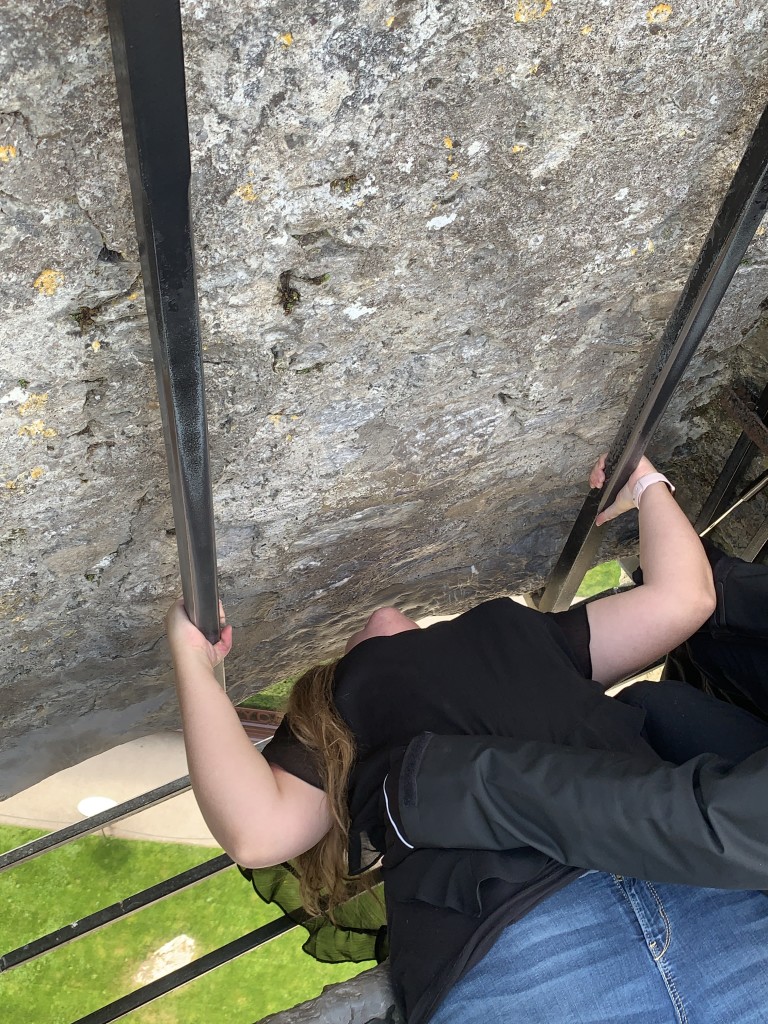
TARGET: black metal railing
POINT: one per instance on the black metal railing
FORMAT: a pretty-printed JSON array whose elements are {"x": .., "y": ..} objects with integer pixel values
[
  {"x": 116, "y": 912},
  {"x": 753, "y": 438},
  {"x": 148, "y": 55},
  {"x": 734, "y": 227},
  {"x": 175, "y": 979},
  {"x": 132, "y": 904},
  {"x": 92, "y": 824}
]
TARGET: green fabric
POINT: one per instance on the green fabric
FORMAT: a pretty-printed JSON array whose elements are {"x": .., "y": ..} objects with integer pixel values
[{"x": 361, "y": 930}]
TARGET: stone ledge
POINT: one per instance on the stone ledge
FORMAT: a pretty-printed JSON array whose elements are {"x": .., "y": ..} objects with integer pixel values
[{"x": 364, "y": 1000}]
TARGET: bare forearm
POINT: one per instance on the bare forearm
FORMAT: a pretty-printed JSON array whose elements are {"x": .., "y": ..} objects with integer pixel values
[
  {"x": 671, "y": 555},
  {"x": 232, "y": 782},
  {"x": 260, "y": 815},
  {"x": 631, "y": 630}
]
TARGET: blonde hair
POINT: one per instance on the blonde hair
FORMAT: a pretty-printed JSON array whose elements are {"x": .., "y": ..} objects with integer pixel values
[{"x": 324, "y": 870}]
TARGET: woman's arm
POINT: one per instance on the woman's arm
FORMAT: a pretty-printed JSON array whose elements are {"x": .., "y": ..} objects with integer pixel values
[
  {"x": 259, "y": 815},
  {"x": 629, "y": 631}
]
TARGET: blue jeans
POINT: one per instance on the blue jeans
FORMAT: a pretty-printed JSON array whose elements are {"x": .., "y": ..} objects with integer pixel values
[{"x": 612, "y": 950}]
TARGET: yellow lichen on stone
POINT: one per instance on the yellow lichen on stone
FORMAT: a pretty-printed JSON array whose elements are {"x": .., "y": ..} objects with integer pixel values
[
  {"x": 587, "y": 30},
  {"x": 650, "y": 245},
  {"x": 518, "y": 149},
  {"x": 18, "y": 484},
  {"x": 7, "y": 153},
  {"x": 33, "y": 404},
  {"x": 532, "y": 10},
  {"x": 390, "y": 21},
  {"x": 448, "y": 142},
  {"x": 275, "y": 418},
  {"x": 36, "y": 429},
  {"x": 659, "y": 14},
  {"x": 9, "y": 604},
  {"x": 95, "y": 344},
  {"x": 286, "y": 39},
  {"x": 133, "y": 296},
  {"x": 455, "y": 176},
  {"x": 48, "y": 281},
  {"x": 246, "y": 192}
]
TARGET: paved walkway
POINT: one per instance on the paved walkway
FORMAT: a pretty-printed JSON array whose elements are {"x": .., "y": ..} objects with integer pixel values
[{"x": 121, "y": 773}]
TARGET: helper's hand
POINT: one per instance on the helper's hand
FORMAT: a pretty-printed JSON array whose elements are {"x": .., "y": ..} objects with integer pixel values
[
  {"x": 187, "y": 641},
  {"x": 623, "y": 502}
]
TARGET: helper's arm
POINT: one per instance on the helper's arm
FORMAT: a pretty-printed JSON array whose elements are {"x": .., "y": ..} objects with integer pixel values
[
  {"x": 701, "y": 823},
  {"x": 259, "y": 814}
]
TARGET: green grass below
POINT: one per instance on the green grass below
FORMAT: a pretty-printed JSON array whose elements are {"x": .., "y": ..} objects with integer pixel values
[
  {"x": 602, "y": 577},
  {"x": 66, "y": 884},
  {"x": 272, "y": 698}
]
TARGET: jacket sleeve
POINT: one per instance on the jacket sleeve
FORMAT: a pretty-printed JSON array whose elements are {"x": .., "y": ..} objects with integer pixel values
[{"x": 703, "y": 823}]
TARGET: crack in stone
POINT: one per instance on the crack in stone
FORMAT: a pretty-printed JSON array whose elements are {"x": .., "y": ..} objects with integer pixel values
[
  {"x": 13, "y": 199},
  {"x": 138, "y": 654},
  {"x": 107, "y": 253},
  {"x": 111, "y": 300},
  {"x": 14, "y": 115},
  {"x": 91, "y": 221},
  {"x": 107, "y": 561}
]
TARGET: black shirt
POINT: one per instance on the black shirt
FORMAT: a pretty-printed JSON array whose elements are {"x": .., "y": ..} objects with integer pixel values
[{"x": 500, "y": 669}]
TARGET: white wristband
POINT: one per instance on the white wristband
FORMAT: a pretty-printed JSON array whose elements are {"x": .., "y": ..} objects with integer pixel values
[{"x": 646, "y": 481}]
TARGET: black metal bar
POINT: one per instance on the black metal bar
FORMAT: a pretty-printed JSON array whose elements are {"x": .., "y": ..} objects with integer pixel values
[
  {"x": 149, "y": 67},
  {"x": 155, "y": 989},
  {"x": 92, "y": 824},
  {"x": 739, "y": 408},
  {"x": 108, "y": 915},
  {"x": 755, "y": 547},
  {"x": 750, "y": 493},
  {"x": 734, "y": 226},
  {"x": 737, "y": 461}
]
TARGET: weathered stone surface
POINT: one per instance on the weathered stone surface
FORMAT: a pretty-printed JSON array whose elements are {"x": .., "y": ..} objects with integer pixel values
[
  {"x": 367, "y": 998},
  {"x": 487, "y": 211}
]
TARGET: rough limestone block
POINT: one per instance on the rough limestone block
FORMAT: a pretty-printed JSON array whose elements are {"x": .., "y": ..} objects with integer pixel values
[{"x": 436, "y": 243}]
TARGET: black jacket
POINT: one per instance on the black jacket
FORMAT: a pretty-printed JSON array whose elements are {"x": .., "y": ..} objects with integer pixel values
[{"x": 703, "y": 822}]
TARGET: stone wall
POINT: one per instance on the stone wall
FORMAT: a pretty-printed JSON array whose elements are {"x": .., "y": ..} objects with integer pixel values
[{"x": 436, "y": 243}]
